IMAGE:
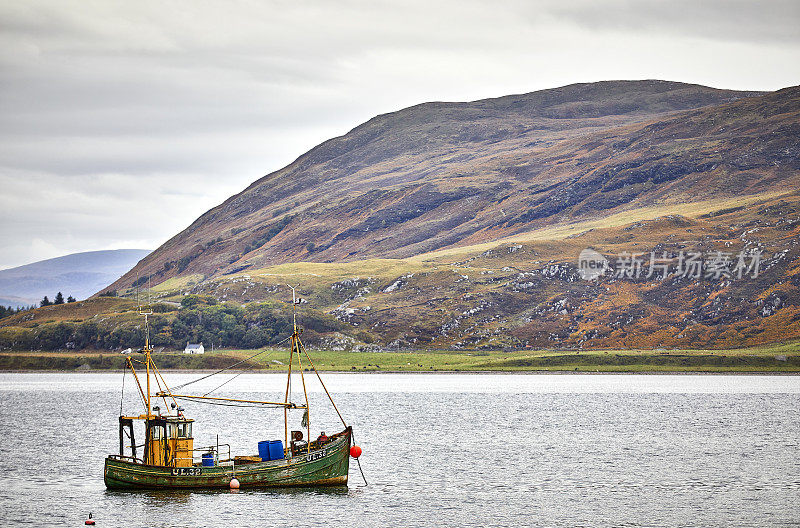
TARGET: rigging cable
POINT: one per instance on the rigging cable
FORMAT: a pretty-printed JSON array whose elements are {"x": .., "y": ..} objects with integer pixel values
[
  {"x": 230, "y": 380},
  {"x": 321, "y": 382},
  {"x": 160, "y": 389},
  {"x": 227, "y": 368},
  {"x": 158, "y": 375}
]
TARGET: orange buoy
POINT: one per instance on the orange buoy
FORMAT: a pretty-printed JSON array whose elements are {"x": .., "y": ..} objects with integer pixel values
[
  {"x": 355, "y": 451},
  {"x": 89, "y": 521},
  {"x": 234, "y": 483}
]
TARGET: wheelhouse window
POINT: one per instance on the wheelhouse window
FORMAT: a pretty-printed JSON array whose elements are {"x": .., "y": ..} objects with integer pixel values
[
  {"x": 185, "y": 430},
  {"x": 156, "y": 433}
]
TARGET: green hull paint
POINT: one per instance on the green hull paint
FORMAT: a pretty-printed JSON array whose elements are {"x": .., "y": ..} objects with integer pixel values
[{"x": 324, "y": 467}]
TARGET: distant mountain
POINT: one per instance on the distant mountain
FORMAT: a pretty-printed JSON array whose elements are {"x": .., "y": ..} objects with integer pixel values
[
  {"x": 441, "y": 175},
  {"x": 78, "y": 274}
]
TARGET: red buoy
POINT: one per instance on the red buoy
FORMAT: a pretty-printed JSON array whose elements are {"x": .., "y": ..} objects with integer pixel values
[
  {"x": 355, "y": 451},
  {"x": 89, "y": 521}
]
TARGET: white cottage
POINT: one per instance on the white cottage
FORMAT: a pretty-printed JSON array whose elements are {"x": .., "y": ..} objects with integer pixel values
[{"x": 192, "y": 348}]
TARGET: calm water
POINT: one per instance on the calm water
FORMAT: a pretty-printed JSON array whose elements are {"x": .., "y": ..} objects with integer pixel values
[{"x": 439, "y": 450}]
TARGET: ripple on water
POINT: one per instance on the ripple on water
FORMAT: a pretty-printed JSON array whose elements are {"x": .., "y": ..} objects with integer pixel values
[{"x": 439, "y": 450}]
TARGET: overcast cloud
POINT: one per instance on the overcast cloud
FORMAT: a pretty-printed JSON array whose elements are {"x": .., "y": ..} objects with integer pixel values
[{"x": 122, "y": 122}]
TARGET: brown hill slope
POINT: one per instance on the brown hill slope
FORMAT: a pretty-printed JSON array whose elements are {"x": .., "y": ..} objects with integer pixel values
[
  {"x": 520, "y": 293},
  {"x": 439, "y": 175}
]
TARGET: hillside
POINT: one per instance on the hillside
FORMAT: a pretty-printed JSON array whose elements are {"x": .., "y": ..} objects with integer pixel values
[
  {"x": 522, "y": 293},
  {"x": 459, "y": 226},
  {"x": 527, "y": 292},
  {"x": 438, "y": 175},
  {"x": 78, "y": 274}
]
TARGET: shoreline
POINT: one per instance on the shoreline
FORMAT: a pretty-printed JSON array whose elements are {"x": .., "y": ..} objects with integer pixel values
[
  {"x": 778, "y": 358},
  {"x": 436, "y": 372}
]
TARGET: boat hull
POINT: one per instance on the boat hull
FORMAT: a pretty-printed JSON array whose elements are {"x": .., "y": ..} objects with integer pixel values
[{"x": 327, "y": 466}]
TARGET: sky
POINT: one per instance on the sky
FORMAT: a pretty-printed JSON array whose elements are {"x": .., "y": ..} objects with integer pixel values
[{"x": 122, "y": 122}]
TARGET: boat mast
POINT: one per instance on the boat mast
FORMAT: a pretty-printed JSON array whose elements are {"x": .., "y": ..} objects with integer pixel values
[
  {"x": 147, "y": 358},
  {"x": 289, "y": 374},
  {"x": 146, "y": 311},
  {"x": 295, "y": 347}
]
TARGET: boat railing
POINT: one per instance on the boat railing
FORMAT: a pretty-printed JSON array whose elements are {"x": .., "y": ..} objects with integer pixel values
[
  {"x": 216, "y": 450},
  {"x": 127, "y": 458}
]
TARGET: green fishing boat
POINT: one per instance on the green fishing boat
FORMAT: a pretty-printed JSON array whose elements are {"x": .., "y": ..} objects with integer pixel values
[{"x": 170, "y": 460}]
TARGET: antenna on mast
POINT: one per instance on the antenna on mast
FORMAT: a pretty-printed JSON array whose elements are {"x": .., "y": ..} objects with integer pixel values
[{"x": 294, "y": 307}]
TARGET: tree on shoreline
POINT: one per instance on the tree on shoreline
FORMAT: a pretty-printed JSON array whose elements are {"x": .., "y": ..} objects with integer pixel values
[
  {"x": 59, "y": 298},
  {"x": 45, "y": 301}
]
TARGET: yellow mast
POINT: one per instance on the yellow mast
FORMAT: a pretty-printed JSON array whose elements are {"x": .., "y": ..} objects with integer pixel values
[
  {"x": 295, "y": 346},
  {"x": 146, "y": 311},
  {"x": 289, "y": 371},
  {"x": 288, "y": 383},
  {"x": 147, "y": 363},
  {"x": 147, "y": 359}
]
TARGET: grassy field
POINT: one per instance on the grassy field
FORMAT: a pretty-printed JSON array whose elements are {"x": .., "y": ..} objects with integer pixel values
[{"x": 773, "y": 358}]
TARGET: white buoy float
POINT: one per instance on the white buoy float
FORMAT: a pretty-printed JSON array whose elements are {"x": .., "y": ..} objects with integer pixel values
[{"x": 234, "y": 483}]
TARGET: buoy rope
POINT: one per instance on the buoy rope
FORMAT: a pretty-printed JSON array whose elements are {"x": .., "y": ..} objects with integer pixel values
[
  {"x": 362, "y": 472},
  {"x": 227, "y": 368},
  {"x": 353, "y": 437}
]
